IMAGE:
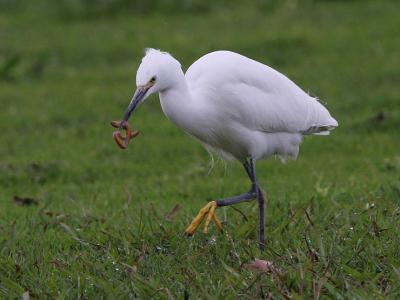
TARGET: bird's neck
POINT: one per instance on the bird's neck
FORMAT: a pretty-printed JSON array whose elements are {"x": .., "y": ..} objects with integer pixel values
[{"x": 176, "y": 102}]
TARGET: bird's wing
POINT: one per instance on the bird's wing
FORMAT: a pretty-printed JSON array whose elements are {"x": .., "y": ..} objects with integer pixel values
[{"x": 256, "y": 95}]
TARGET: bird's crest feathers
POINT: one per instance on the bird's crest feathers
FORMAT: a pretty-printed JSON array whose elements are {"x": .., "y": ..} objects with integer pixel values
[
  {"x": 156, "y": 55},
  {"x": 152, "y": 50}
]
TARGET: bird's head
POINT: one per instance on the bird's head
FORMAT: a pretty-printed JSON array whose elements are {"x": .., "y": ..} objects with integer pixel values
[{"x": 155, "y": 74}]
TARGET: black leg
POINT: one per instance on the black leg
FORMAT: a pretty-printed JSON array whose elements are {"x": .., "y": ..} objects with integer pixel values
[
  {"x": 261, "y": 228},
  {"x": 251, "y": 195},
  {"x": 254, "y": 193},
  {"x": 261, "y": 207},
  {"x": 249, "y": 170}
]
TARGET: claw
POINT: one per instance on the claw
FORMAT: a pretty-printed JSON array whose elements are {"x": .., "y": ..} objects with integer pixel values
[
  {"x": 116, "y": 124},
  {"x": 209, "y": 212},
  {"x": 123, "y": 141}
]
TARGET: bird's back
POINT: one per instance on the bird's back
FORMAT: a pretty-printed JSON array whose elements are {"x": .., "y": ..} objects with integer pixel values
[{"x": 256, "y": 95}]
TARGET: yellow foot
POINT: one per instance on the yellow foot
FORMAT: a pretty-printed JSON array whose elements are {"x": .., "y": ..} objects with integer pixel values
[{"x": 209, "y": 211}]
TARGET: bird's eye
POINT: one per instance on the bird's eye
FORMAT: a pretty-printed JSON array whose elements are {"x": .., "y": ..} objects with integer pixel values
[{"x": 153, "y": 79}]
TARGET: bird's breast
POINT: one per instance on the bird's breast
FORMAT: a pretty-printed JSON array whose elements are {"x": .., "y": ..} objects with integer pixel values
[{"x": 183, "y": 112}]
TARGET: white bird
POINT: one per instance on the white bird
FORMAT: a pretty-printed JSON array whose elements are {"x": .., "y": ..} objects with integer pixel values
[{"x": 236, "y": 107}]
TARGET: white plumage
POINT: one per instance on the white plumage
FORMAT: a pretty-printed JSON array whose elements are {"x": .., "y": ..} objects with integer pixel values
[{"x": 234, "y": 105}]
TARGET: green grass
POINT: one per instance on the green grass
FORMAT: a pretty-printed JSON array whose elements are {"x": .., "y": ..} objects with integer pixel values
[{"x": 100, "y": 228}]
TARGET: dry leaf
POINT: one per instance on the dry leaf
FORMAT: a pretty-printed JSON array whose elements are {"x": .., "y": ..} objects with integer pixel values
[
  {"x": 172, "y": 214},
  {"x": 261, "y": 265},
  {"x": 25, "y": 296}
]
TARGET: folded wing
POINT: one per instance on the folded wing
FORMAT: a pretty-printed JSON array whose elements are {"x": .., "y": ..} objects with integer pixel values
[{"x": 258, "y": 96}]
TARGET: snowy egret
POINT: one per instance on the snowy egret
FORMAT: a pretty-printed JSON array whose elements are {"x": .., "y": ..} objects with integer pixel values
[{"x": 236, "y": 107}]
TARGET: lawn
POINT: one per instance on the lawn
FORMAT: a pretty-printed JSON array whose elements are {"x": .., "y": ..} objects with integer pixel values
[{"x": 80, "y": 218}]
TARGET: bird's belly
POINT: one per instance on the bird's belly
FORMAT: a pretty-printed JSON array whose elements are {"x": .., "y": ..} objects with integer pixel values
[
  {"x": 285, "y": 145},
  {"x": 241, "y": 143}
]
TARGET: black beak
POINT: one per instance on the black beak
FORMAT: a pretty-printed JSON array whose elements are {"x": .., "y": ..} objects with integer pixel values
[{"x": 136, "y": 99}]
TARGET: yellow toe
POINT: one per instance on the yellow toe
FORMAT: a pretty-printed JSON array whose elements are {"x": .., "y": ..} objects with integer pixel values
[
  {"x": 217, "y": 222},
  {"x": 209, "y": 211},
  {"x": 191, "y": 229}
]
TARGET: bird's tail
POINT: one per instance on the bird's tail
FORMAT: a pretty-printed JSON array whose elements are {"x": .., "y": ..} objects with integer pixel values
[{"x": 320, "y": 130}]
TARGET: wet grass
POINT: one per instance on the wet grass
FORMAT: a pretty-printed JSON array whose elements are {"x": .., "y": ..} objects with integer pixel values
[{"x": 81, "y": 219}]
